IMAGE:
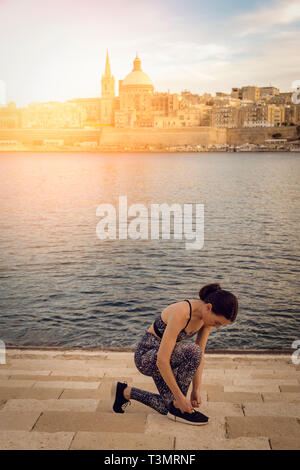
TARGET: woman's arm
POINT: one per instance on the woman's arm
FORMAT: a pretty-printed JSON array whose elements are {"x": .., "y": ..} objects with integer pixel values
[
  {"x": 176, "y": 322},
  {"x": 201, "y": 340}
]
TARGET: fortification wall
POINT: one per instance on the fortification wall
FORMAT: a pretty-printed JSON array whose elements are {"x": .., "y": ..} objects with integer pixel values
[
  {"x": 34, "y": 136},
  {"x": 259, "y": 135},
  {"x": 163, "y": 137},
  {"x": 109, "y": 136}
]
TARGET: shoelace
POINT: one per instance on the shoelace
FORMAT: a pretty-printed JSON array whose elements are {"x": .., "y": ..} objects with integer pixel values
[{"x": 126, "y": 404}]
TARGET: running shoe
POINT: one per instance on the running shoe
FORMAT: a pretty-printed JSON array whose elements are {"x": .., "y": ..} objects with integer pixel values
[
  {"x": 196, "y": 418},
  {"x": 117, "y": 397}
]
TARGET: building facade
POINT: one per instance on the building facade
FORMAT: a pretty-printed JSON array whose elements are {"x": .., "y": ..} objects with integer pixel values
[{"x": 135, "y": 92}]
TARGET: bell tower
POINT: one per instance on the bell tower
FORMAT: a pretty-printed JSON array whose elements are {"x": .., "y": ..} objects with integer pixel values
[
  {"x": 107, "y": 95},
  {"x": 107, "y": 81}
]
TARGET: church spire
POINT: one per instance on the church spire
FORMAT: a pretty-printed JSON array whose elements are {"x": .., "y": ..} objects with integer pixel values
[
  {"x": 107, "y": 66},
  {"x": 107, "y": 81}
]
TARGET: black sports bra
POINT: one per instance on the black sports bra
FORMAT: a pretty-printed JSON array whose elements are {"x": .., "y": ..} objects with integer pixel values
[{"x": 160, "y": 326}]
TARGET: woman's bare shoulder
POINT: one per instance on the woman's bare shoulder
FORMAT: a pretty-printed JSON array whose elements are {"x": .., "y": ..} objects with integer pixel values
[{"x": 179, "y": 309}]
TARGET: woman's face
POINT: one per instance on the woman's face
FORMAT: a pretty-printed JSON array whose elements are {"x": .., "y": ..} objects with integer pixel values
[{"x": 211, "y": 319}]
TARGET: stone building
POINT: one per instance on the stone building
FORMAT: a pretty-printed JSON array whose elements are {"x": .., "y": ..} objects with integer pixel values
[
  {"x": 10, "y": 116},
  {"x": 281, "y": 98},
  {"x": 53, "y": 115},
  {"x": 164, "y": 104},
  {"x": 227, "y": 116},
  {"x": 262, "y": 115},
  {"x": 135, "y": 92},
  {"x": 91, "y": 108},
  {"x": 267, "y": 91},
  {"x": 250, "y": 93},
  {"x": 237, "y": 93}
]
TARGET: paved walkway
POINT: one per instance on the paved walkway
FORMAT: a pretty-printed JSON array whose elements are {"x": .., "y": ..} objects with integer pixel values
[{"x": 61, "y": 400}]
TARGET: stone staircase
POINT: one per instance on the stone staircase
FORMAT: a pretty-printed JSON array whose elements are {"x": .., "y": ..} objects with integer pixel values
[{"x": 57, "y": 399}]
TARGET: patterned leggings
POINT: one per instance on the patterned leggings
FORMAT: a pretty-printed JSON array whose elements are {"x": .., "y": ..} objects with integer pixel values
[{"x": 185, "y": 360}]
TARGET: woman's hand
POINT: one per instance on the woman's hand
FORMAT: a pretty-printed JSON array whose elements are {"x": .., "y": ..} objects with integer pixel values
[
  {"x": 195, "y": 398},
  {"x": 184, "y": 404}
]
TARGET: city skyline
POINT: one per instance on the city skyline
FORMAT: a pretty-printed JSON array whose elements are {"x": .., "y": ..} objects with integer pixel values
[{"x": 58, "y": 49}]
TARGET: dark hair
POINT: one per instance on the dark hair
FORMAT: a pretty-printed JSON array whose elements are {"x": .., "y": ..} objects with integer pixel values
[{"x": 223, "y": 302}]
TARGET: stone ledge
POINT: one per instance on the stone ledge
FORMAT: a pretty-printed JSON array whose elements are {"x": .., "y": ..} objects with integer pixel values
[
  {"x": 120, "y": 441},
  {"x": 273, "y": 427},
  {"x": 61, "y": 399},
  {"x": 22, "y": 440},
  {"x": 55, "y": 421},
  {"x": 239, "y": 443},
  {"x": 50, "y": 405}
]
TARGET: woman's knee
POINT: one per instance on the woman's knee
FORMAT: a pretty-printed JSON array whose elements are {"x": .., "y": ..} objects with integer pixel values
[{"x": 145, "y": 361}]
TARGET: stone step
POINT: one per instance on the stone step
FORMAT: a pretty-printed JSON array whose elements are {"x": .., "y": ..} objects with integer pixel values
[
  {"x": 266, "y": 426},
  {"x": 134, "y": 407},
  {"x": 67, "y": 384},
  {"x": 240, "y": 443},
  {"x": 83, "y": 394},
  {"x": 61, "y": 399},
  {"x": 285, "y": 443},
  {"x": 16, "y": 383},
  {"x": 290, "y": 388},
  {"x": 282, "y": 396},
  {"x": 50, "y": 405},
  {"x": 55, "y": 421},
  {"x": 258, "y": 382},
  {"x": 18, "y": 421},
  {"x": 57, "y": 378},
  {"x": 39, "y": 393},
  {"x": 234, "y": 397},
  {"x": 272, "y": 409},
  {"x": 160, "y": 425},
  {"x": 119, "y": 441},
  {"x": 215, "y": 410},
  {"x": 50, "y": 364},
  {"x": 23, "y": 440},
  {"x": 265, "y": 387},
  {"x": 22, "y": 372}
]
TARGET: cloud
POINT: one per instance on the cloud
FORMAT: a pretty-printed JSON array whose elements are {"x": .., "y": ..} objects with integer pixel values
[
  {"x": 193, "y": 51},
  {"x": 276, "y": 63},
  {"x": 282, "y": 12},
  {"x": 60, "y": 51}
]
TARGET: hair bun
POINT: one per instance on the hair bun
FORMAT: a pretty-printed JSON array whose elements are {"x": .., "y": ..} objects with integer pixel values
[{"x": 208, "y": 289}]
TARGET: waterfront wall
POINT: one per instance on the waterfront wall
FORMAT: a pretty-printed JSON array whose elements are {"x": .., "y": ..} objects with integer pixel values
[
  {"x": 164, "y": 137},
  {"x": 110, "y": 136},
  {"x": 259, "y": 135},
  {"x": 36, "y": 136}
]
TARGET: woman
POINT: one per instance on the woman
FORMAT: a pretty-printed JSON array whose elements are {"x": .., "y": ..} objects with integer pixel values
[{"x": 173, "y": 364}]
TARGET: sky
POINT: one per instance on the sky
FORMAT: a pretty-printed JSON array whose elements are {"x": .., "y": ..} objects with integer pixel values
[{"x": 55, "y": 50}]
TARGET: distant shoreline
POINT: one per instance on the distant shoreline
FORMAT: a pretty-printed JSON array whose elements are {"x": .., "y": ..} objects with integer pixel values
[{"x": 83, "y": 150}]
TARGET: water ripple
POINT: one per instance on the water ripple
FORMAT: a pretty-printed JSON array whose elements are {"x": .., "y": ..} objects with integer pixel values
[{"x": 62, "y": 286}]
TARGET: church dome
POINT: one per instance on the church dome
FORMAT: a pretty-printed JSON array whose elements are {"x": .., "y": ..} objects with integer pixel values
[{"x": 137, "y": 77}]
